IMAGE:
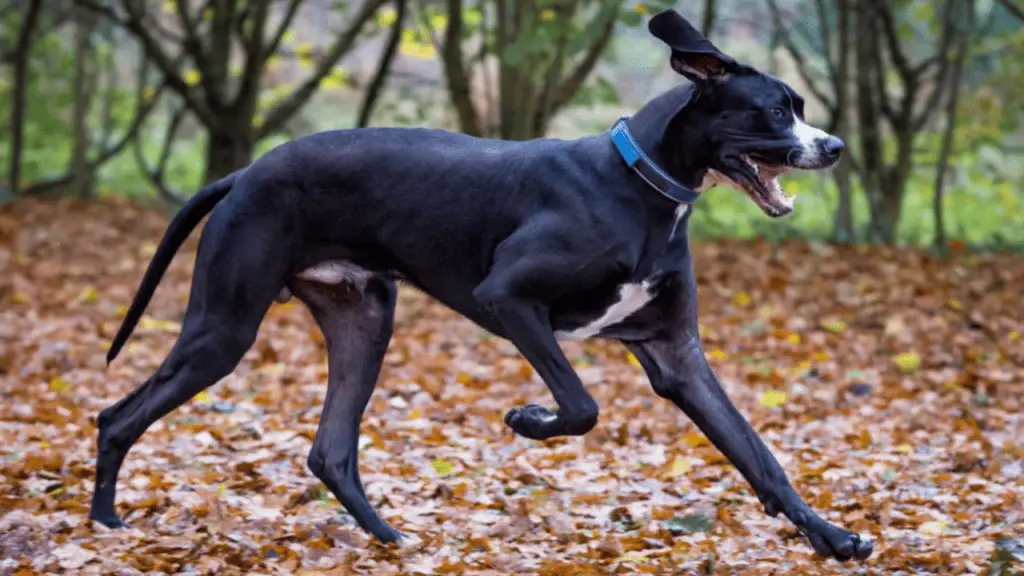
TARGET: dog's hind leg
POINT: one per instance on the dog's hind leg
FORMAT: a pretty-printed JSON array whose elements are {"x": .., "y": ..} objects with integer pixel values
[
  {"x": 357, "y": 319},
  {"x": 231, "y": 292}
]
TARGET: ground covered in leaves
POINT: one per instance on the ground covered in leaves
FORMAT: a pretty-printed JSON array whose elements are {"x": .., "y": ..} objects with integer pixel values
[{"x": 888, "y": 383}]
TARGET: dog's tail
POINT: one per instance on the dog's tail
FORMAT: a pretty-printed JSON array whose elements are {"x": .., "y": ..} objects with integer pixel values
[{"x": 177, "y": 231}]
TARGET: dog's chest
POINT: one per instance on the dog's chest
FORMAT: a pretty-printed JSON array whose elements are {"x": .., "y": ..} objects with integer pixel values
[{"x": 630, "y": 298}]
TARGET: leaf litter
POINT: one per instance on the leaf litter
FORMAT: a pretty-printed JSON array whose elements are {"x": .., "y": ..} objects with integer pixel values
[{"x": 886, "y": 381}]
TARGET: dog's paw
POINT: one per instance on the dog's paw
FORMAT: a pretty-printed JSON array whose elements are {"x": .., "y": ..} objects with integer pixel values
[
  {"x": 531, "y": 421},
  {"x": 835, "y": 542},
  {"x": 110, "y": 521}
]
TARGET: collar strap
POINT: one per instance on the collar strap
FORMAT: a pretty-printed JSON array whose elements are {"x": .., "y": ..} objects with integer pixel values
[{"x": 646, "y": 168}]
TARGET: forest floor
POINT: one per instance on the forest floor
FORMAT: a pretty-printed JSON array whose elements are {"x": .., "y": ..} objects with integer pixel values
[{"x": 889, "y": 384}]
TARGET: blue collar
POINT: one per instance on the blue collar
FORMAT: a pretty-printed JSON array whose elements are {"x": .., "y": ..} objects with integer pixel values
[{"x": 646, "y": 168}]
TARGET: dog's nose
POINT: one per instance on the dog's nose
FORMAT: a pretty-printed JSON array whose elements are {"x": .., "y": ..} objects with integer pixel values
[{"x": 832, "y": 146}]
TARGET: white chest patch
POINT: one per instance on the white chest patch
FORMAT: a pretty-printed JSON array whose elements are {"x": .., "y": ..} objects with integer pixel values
[{"x": 632, "y": 297}]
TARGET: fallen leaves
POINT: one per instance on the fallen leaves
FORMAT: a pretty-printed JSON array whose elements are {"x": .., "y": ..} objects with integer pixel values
[{"x": 894, "y": 406}]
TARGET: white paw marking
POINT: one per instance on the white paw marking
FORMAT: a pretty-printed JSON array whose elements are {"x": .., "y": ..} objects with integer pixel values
[{"x": 632, "y": 297}]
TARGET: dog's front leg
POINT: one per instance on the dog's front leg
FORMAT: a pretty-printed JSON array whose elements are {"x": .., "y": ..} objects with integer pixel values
[
  {"x": 679, "y": 372},
  {"x": 525, "y": 320}
]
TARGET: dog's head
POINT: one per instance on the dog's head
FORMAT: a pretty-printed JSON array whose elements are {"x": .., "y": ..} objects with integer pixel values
[{"x": 740, "y": 126}]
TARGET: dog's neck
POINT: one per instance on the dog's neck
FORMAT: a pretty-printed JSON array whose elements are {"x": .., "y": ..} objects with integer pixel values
[{"x": 680, "y": 153}]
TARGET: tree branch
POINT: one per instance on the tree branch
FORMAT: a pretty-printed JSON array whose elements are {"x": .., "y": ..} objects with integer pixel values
[
  {"x": 133, "y": 24},
  {"x": 883, "y": 10},
  {"x": 156, "y": 175},
  {"x": 1013, "y": 9},
  {"x": 275, "y": 42},
  {"x": 572, "y": 84},
  {"x": 798, "y": 59},
  {"x": 455, "y": 71},
  {"x": 948, "y": 32},
  {"x": 18, "y": 106},
  {"x": 373, "y": 91},
  {"x": 284, "y": 111}
]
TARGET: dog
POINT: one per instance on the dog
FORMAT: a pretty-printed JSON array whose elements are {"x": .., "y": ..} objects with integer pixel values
[{"x": 534, "y": 241}]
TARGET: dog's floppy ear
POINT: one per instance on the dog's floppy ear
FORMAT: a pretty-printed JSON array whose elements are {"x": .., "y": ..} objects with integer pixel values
[{"x": 693, "y": 55}]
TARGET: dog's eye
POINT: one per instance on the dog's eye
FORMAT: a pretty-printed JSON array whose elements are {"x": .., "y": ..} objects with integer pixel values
[{"x": 778, "y": 112}]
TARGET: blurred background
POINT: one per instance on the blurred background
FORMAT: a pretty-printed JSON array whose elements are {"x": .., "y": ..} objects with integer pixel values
[{"x": 151, "y": 98}]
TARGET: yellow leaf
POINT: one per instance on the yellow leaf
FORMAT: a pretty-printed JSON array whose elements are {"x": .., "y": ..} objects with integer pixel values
[
  {"x": 642, "y": 8},
  {"x": 258, "y": 120},
  {"x": 679, "y": 467},
  {"x": 221, "y": 488},
  {"x": 633, "y": 360},
  {"x": 306, "y": 62},
  {"x": 202, "y": 398},
  {"x": 547, "y": 15},
  {"x": 741, "y": 299},
  {"x": 44, "y": 445},
  {"x": 438, "y": 21},
  {"x": 280, "y": 91},
  {"x": 442, "y": 467},
  {"x": 933, "y": 528},
  {"x": 208, "y": 15},
  {"x": 904, "y": 449},
  {"x": 170, "y": 6},
  {"x": 793, "y": 338},
  {"x": 89, "y": 295},
  {"x": 820, "y": 356},
  {"x": 472, "y": 18},
  {"x": 192, "y": 77},
  {"x": 1014, "y": 336},
  {"x": 387, "y": 17},
  {"x": 955, "y": 304},
  {"x": 410, "y": 47},
  {"x": 56, "y": 491},
  {"x": 835, "y": 326},
  {"x": 717, "y": 354},
  {"x": 59, "y": 385},
  {"x": 19, "y": 298},
  {"x": 304, "y": 50},
  {"x": 289, "y": 35},
  {"x": 150, "y": 323},
  {"x": 703, "y": 331},
  {"x": 694, "y": 438},
  {"x": 414, "y": 414},
  {"x": 773, "y": 398},
  {"x": 907, "y": 362}
]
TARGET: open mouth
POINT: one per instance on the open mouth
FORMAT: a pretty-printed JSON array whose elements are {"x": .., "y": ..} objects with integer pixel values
[{"x": 764, "y": 189}]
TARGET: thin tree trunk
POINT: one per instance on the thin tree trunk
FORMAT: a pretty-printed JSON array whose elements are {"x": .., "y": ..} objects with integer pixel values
[
  {"x": 950, "y": 133},
  {"x": 376, "y": 86},
  {"x": 843, "y": 231},
  {"x": 81, "y": 173},
  {"x": 21, "y": 54},
  {"x": 710, "y": 15},
  {"x": 227, "y": 151}
]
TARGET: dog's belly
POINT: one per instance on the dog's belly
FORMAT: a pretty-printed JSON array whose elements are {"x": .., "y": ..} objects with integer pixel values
[{"x": 631, "y": 298}]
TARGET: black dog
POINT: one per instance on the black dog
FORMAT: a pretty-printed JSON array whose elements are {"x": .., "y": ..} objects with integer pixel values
[{"x": 533, "y": 241}]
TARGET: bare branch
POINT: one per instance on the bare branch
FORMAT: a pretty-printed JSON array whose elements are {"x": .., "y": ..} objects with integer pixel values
[
  {"x": 572, "y": 84},
  {"x": 284, "y": 111},
  {"x": 883, "y": 10},
  {"x": 373, "y": 91},
  {"x": 455, "y": 71},
  {"x": 156, "y": 175},
  {"x": 133, "y": 24},
  {"x": 18, "y": 106},
  {"x": 1013, "y": 8},
  {"x": 275, "y": 42},
  {"x": 949, "y": 28},
  {"x": 798, "y": 59}
]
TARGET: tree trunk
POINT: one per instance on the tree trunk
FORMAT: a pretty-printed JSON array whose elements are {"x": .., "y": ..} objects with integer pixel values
[
  {"x": 951, "y": 112},
  {"x": 81, "y": 173},
  {"x": 843, "y": 230},
  {"x": 710, "y": 15},
  {"x": 21, "y": 53},
  {"x": 227, "y": 151}
]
